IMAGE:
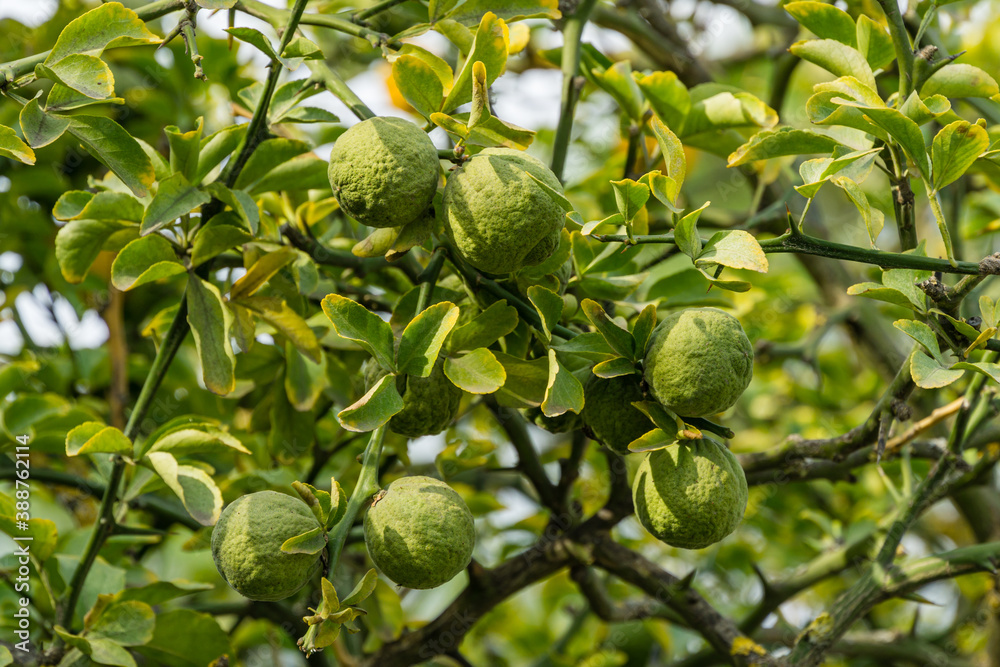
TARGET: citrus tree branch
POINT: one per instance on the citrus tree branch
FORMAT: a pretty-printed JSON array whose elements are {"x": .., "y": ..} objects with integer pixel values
[
  {"x": 105, "y": 524},
  {"x": 278, "y": 17},
  {"x": 901, "y": 43},
  {"x": 572, "y": 83},
  {"x": 18, "y": 68},
  {"x": 810, "y": 245}
]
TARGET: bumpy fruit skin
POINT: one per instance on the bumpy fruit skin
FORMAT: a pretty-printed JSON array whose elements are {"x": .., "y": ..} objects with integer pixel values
[
  {"x": 384, "y": 171},
  {"x": 691, "y": 494},
  {"x": 608, "y": 411},
  {"x": 246, "y": 545},
  {"x": 564, "y": 423},
  {"x": 500, "y": 218},
  {"x": 430, "y": 404},
  {"x": 420, "y": 533},
  {"x": 698, "y": 362}
]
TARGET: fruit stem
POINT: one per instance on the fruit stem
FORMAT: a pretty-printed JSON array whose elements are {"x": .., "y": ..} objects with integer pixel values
[
  {"x": 366, "y": 487},
  {"x": 572, "y": 83}
]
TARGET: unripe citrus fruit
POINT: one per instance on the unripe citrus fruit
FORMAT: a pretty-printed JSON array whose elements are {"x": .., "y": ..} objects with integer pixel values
[
  {"x": 608, "y": 411},
  {"x": 384, "y": 171},
  {"x": 430, "y": 404},
  {"x": 419, "y": 532},
  {"x": 499, "y": 217},
  {"x": 698, "y": 362},
  {"x": 246, "y": 545},
  {"x": 690, "y": 494},
  {"x": 564, "y": 423}
]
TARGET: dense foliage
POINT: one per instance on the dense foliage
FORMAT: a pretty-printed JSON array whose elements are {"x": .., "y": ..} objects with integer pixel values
[{"x": 827, "y": 175}]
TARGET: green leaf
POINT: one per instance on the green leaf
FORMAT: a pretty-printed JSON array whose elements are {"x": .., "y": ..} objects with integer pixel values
[
  {"x": 299, "y": 50},
  {"x": 125, "y": 622},
  {"x": 145, "y": 260},
  {"x": 61, "y": 99},
  {"x": 527, "y": 381},
  {"x": 930, "y": 374},
  {"x": 922, "y": 334},
  {"x": 922, "y": 111},
  {"x": 728, "y": 285},
  {"x": 987, "y": 368},
  {"x": 719, "y": 107},
  {"x": 855, "y": 165},
  {"x": 590, "y": 345},
  {"x": 954, "y": 150},
  {"x": 419, "y": 84},
  {"x": 619, "y": 339},
  {"x": 306, "y": 172},
  {"x": 216, "y": 236},
  {"x": 42, "y": 532},
  {"x": 96, "y": 438},
  {"x": 825, "y": 21},
  {"x": 874, "y": 43},
  {"x": 630, "y": 197},
  {"x": 174, "y": 197},
  {"x": 471, "y": 11},
  {"x": 79, "y": 243},
  {"x": 643, "y": 327},
  {"x": 768, "y": 144},
  {"x": 109, "y": 25},
  {"x": 881, "y": 293},
  {"x": 254, "y": 38},
  {"x": 185, "y": 436},
  {"x": 184, "y": 150},
  {"x": 159, "y": 592},
  {"x": 362, "y": 590},
  {"x": 906, "y": 132},
  {"x": 686, "y": 233},
  {"x": 239, "y": 201},
  {"x": 355, "y": 322},
  {"x": 116, "y": 149},
  {"x": 185, "y": 638},
  {"x": 477, "y": 372},
  {"x": 72, "y": 203},
  {"x": 837, "y": 58},
  {"x": 612, "y": 368},
  {"x": 960, "y": 80},
  {"x": 989, "y": 311},
  {"x": 549, "y": 306},
  {"x": 11, "y": 146},
  {"x": 423, "y": 337},
  {"x": 489, "y": 47},
  {"x": 215, "y": 148},
  {"x": 736, "y": 249},
  {"x": 268, "y": 155},
  {"x": 652, "y": 440},
  {"x": 304, "y": 379},
  {"x": 374, "y": 409},
  {"x": 88, "y": 75},
  {"x": 486, "y": 328},
  {"x": 618, "y": 82},
  {"x": 279, "y": 315},
  {"x": 873, "y": 217},
  {"x": 563, "y": 393},
  {"x": 197, "y": 491},
  {"x": 211, "y": 324},
  {"x": 262, "y": 271},
  {"x": 40, "y": 128},
  {"x": 668, "y": 97},
  {"x": 310, "y": 542}
]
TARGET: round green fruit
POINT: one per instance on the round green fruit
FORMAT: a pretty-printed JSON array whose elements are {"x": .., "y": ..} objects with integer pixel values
[
  {"x": 498, "y": 216},
  {"x": 608, "y": 411},
  {"x": 698, "y": 362},
  {"x": 690, "y": 494},
  {"x": 419, "y": 532},
  {"x": 430, "y": 404},
  {"x": 246, "y": 545},
  {"x": 384, "y": 171}
]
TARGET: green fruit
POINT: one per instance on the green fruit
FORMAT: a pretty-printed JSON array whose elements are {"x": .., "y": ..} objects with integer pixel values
[
  {"x": 608, "y": 411},
  {"x": 384, "y": 171},
  {"x": 419, "y": 532},
  {"x": 430, "y": 404},
  {"x": 698, "y": 362},
  {"x": 690, "y": 494},
  {"x": 498, "y": 216},
  {"x": 246, "y": 545}
]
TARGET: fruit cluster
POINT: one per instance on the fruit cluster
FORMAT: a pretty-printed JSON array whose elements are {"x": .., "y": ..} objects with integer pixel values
[{"x": 499, "y": 214}]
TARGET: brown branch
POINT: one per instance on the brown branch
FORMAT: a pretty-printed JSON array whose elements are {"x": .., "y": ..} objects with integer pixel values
[{"x": 679, "y": 596}]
